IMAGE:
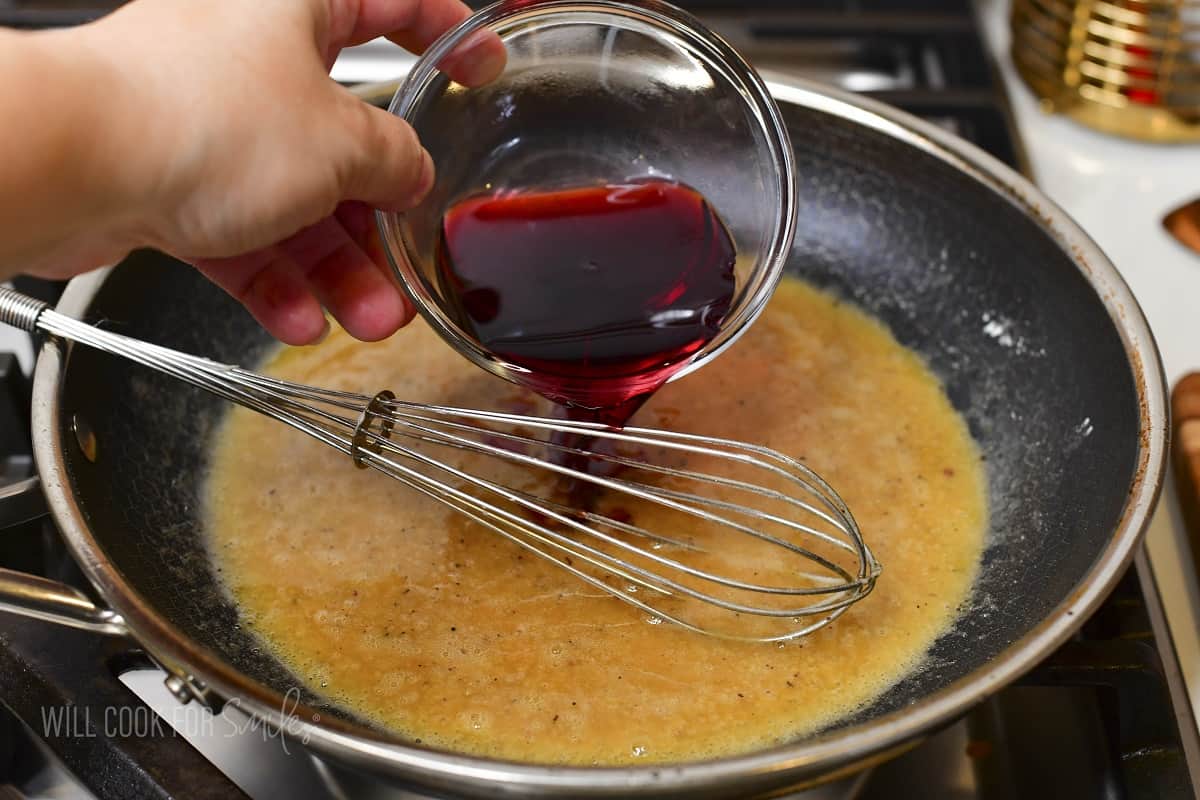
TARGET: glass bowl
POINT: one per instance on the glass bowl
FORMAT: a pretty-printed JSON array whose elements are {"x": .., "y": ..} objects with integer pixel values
[{"x": 597, "y": 93}]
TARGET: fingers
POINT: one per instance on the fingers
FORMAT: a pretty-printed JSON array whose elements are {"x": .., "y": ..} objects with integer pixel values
[
  {"x": 426, "y": 20},
  {"x": 385, "y": 166},
  {"x": 285, "y": 286},
  {"x": 273, "y": 291},
  {"x": 477, "y": 60},
  {"x": 416, "y": 24},
  {"x": 360, "y": 294}
]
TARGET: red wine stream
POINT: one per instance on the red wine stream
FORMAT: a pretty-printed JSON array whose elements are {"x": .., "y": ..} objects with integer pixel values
[{"x": 600, "y": 293}]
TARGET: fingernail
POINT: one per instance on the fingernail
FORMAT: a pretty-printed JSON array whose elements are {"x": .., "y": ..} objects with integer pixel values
[
  {"x": 324, "y": 334},
  {"x": 480, "y": 59},
  {"x": 427, "y": 177}
]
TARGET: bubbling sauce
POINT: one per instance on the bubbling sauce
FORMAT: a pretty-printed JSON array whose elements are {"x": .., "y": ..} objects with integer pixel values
[{"x": 400, "y": 611}]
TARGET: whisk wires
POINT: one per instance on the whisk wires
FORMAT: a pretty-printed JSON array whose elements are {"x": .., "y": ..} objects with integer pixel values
[{"x": 720, "y": 537}]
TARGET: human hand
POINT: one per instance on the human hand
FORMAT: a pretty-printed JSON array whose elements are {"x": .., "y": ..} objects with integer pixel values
[{"x": 247, "y": 160}]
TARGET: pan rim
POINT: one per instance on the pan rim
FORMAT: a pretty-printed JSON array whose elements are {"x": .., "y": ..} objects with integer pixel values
[{"x": 776, "y": 766}]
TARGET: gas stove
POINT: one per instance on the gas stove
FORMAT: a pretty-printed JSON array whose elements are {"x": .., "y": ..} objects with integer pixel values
[{"x": 1108, "y": 716}]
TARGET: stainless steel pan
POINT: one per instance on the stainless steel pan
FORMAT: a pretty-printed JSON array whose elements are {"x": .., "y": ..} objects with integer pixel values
[{"x": 1040, "y": 344}]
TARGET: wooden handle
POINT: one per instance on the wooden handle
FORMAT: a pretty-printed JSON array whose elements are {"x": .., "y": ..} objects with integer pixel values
[{"x": 1185, "y": 407}]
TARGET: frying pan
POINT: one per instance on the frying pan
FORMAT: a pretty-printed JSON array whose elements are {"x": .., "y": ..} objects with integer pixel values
[{"x": 1041, "y": 347}]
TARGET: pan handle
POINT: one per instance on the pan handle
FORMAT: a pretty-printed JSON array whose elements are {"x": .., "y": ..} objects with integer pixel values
[
  {"x": 44, "y": 599},
  {"x": 21, "y": 502},
  {"x": 41, "y": 598}
]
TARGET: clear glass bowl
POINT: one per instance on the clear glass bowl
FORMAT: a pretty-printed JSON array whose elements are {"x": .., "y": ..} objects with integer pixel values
[{"x": 598, "y": 93}]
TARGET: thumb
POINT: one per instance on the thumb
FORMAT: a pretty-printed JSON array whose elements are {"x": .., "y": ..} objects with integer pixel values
[{"x": 385, "y": 165}]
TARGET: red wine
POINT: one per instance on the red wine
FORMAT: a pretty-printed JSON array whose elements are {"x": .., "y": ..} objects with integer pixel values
[{"x": 601, "y": 293}]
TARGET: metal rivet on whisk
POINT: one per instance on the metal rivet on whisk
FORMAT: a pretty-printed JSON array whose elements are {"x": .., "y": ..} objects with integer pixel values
[
  {"x": 84, "y": 437},
  {"x": 364, "y": 441}
]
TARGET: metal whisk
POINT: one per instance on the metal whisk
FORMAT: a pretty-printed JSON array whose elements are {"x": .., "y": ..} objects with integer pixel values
[{"x": 721, "y": 537}]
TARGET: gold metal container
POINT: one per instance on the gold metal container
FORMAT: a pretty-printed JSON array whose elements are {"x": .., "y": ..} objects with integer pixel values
[{"x": 1129, "y": 67}]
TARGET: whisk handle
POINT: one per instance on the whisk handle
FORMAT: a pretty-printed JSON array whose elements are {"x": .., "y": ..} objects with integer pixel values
[
  {"x": 28, "y": 314},
  {"x": 20, "y": 311}
]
